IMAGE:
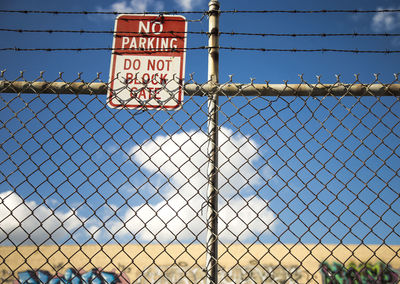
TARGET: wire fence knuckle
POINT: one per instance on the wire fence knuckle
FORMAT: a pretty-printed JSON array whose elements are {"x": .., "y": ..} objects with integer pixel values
[{"x": 308, "y": 180}]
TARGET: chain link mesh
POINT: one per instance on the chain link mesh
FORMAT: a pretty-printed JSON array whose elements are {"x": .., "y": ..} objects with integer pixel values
[{"x": 308, "y": 188}]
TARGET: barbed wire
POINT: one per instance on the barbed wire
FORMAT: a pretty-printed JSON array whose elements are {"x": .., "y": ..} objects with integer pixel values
[
  {"x": 353, "y": 34},
  {"x": 95, "y": 31},
  {"x": 322, "y": 11},
  {"x": 99, "y": 12},
  {"x": 232, "y": 48},
  {"x": 115, "y": 50},
  {"x": 310, "y": 50}
]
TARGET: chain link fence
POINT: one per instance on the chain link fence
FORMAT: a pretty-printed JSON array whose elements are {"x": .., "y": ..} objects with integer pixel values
[{"x": 308, "y": 184}]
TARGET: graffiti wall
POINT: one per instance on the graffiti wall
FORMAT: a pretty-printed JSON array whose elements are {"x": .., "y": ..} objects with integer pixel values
[
  {"x": 335, "y": 273},
  {"x": 237, "y": 274},
  {"x": 171, "y": 274},
  {"x": 378, "y": 273},
  {"x": 255, "y": 263}
]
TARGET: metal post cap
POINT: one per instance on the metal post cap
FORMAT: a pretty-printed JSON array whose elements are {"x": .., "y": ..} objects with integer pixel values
[{"x": 213, "y": 2}]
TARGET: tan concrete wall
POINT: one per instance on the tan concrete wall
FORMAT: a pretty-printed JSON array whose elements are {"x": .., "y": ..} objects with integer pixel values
[{"x": 153, "y": 263}]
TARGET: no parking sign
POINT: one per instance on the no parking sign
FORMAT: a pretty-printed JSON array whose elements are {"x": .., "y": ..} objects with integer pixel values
[{"x": 148, "y": 62}]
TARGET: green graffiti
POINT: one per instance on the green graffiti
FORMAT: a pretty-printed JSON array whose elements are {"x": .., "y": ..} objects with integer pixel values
[{"x": 368, "y": 273}]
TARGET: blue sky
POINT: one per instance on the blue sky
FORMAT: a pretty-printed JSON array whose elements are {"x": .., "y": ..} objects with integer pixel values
[
  {"x": 282, "y": 178},
  {"x": 275, "y": 66}
]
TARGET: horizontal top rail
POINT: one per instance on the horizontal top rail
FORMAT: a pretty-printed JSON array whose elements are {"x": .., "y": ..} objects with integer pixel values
[{"x": 229, "y": 89}]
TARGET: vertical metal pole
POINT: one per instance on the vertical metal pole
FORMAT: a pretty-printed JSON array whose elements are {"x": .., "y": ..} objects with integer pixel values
[{"x": 212, "y": 193}]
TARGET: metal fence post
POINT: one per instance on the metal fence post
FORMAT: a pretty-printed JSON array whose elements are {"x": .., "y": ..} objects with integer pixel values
[{"x": 212, "y": 193}]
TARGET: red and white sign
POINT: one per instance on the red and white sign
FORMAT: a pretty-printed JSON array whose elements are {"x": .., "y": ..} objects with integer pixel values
[{"x": 148, "y": 62}]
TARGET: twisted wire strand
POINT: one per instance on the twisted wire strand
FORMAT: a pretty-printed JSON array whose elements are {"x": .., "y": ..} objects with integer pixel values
[
  {"x": 354, "y": 34},
  {"x": 232, "y": 48}
]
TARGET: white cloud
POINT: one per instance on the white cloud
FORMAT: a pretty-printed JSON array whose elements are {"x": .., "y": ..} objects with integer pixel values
[
  {"x": 182, "y": 158},
  {"x": 385, "y": 22},
  {"x": 178, "y": 213},
  {"x": 134, "y": 6},
  {"x": 188, "y": 5},
  {"x": 26, "y": 222}
]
